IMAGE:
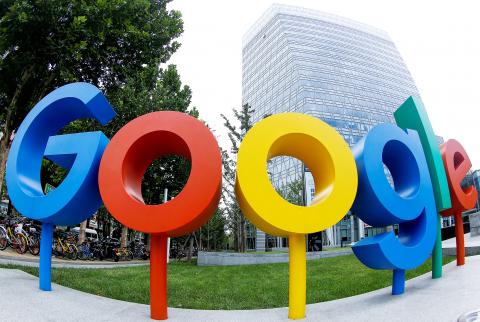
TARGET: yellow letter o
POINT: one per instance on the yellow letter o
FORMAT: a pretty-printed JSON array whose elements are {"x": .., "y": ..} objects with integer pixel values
[{"x": 323, "y": 151}]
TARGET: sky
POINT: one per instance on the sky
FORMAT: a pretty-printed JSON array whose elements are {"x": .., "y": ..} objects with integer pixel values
[{"x": 438, "y": 40}]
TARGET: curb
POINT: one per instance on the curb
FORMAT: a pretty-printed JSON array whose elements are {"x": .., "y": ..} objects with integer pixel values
[{"x": 10, "y": 260}]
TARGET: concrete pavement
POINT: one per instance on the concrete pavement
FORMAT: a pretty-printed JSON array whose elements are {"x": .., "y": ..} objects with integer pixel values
[
  {"x": 231, "y": 259},
  {"x": 472, "y": 246},
  {"x": 9, "y": 256},
  {"x": 425, "y": 299}
]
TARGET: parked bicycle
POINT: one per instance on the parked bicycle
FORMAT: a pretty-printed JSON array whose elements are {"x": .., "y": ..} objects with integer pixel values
[
  {"x": 84, "y": 251},
  {"x": 138, "y": 249},
  {"x": 32, "y": 232},
  {"x": 64, "y": 246},
  {"x": 97, "y": 250},
  {"x": 11, "y": 235},
  {"x": 109, "y": 245},
  {"x": 22, "y": 235},
  {"x": 122, "y": 253}
]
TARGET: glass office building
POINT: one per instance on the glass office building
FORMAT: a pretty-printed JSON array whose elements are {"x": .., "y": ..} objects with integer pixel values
[{"x": 346, "y": 73}]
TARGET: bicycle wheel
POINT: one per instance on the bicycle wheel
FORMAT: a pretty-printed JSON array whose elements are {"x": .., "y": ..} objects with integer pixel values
[
  {"x": 34, "y": 245},
  {"x": 3, "y": 239},
  {"x": 72, "y": 252},
  {"x": 20, "y": 243}
]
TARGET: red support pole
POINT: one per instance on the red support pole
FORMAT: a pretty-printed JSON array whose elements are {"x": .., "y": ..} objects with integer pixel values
[
  {"x": 459, "y": 235},
  {"x": 158, "y": 277}
]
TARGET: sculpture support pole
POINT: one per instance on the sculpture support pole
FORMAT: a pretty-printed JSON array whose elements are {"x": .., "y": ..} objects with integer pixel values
[
  {"x": 158, "y": 277},
  {"x": 45, "y": 269},
  {"x": 460, "y": 240},
  {"x": 297, "y": 287},
  {"x": 437, "y": 252},
  {"x": 398, "y": 283}
]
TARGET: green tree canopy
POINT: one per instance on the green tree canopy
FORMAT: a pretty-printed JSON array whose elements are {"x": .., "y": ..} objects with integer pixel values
[{"x": 45, "y": 44}]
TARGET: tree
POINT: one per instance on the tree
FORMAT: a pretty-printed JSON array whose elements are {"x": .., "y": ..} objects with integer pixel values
[
  {"x": 293, "y": 192},
  {"x": 212, "y": 234},
  {"x": 45, "y": 44},
  {"x": 139, "y": 97},
  {"x": 150, "y": 90},
  {"x": 236, "y": 133}
]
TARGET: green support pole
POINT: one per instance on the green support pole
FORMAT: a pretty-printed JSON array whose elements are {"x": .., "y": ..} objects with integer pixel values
[{"x": 437, "y": 252}]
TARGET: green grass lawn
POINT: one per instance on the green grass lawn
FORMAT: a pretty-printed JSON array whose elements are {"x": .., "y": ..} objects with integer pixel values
[{"x": 231, "y": 287}]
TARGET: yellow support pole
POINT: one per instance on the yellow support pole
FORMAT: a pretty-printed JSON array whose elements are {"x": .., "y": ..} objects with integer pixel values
[{"x": 297, "y": 287}]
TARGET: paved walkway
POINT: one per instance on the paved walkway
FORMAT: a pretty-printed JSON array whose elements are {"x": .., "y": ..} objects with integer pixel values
[
  {"x": 439, "y": 300},
  {"x": 469, "y": 241}
]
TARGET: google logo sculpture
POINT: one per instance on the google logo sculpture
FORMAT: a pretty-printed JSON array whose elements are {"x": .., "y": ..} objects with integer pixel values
[{"x": 426, "y": 183}]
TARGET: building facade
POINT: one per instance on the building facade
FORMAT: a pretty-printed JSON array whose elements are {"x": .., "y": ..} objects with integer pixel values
[
  {"x": 473, "y": 179},
  {"x": 476, "y": 183},
  {"x": 346, "y": 73}
]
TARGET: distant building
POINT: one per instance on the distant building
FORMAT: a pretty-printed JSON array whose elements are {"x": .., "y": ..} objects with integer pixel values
[
  {"x": 473, "y": 179},
  {"x": 346, "y": 73},
  {"x": 476, "y": 183}
]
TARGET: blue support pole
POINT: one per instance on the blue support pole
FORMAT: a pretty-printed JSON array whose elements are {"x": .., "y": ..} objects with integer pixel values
[
  {"x": 45, "y": 270},
  {"x": 398, "y": 283}
]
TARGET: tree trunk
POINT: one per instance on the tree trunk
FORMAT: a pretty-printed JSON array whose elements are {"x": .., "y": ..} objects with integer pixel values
[
  {"x": 83, "y": 228},
  {"x": 148, "y": 237},
  {"x": 190, "y": 250},
  {"x": 105, "y": 225},
  {"x": 3, "y": 158},
  {"x": 196, "y": 240},
  {"x": 200, "y": 246},
  {"x": 4, "y": 146},
  {"x": 208, "y": 237},
  {"x": 124, "y": 237},
  {"x": 8, "y": 124},
  {"x": 239, "y": 237},
  {"x": 244, "y": 235},
  {"x": 110, "y": 227}
]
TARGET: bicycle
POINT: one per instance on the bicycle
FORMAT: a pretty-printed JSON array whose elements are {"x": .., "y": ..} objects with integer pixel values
[
  {"x": 109, "y": 246},
  {"x": 64, "y": 246},
  {"x": 138, "y": 249},
  {"x": 11, "y": 235},
  {"x": 84, "y": 251},
  {"x": 33, "y": 237},
  {"x": 96, "y": 247},
  {"x": 122, "y": 253}
]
